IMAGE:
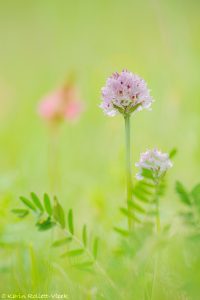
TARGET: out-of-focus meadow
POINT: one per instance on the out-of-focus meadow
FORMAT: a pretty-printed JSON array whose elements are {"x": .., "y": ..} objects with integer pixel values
[{"x": 41, "y": 43}]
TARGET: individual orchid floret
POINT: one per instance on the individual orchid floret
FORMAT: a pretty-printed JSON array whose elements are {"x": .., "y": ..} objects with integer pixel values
[
  {"x": 154, "y": 161},
  {"x": 63, "y": 103},
  {"x": 125, "y": 93}
]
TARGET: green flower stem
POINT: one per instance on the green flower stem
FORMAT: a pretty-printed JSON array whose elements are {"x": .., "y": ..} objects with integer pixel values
[
  {"x": 129, "y": 184},
  {"x": 157, "y": 210},
  {"x": 53, "y": 157},
  {"x": 157, "y": 217}
]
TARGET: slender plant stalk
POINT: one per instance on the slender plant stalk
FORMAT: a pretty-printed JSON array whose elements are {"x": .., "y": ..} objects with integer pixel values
[
  {"x": 129, "y": 184},
  {"x": 96, "y": 263},
  {"x": 157, "y": 217},
  {"x": 155, "y": 272},
  {"x": 53, "y": 157},
  {"x": 157, "y": 211}
]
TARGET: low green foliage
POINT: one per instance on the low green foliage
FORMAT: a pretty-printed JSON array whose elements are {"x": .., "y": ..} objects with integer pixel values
[
  {"x": 51, "y": 215},
  {"x": 191, "y": 201}
]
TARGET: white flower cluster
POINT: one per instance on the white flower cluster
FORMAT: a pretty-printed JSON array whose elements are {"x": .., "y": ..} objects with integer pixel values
[{"x": 155, "y": 161}]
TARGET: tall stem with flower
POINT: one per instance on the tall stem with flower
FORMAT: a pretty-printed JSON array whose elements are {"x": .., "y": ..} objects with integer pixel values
[
  {"x": 155, "y": 164},
  {"x": 61, "y": 105},
  {"x": 126, "y": 93},
  {"x": 129, "y": 183}
]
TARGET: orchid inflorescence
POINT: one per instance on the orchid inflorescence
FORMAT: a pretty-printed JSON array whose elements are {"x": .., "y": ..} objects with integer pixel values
[
  {"x": 61, "y": 104},
  {"x": 125, "y": 93}
]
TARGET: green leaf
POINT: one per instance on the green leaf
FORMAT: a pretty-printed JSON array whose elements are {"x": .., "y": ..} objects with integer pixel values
[
  {"x": 196, "y": 194},
  {"x": 45, "y": 224},
  {"x": 172, "y": 153},
  {"x": 84, "y": 264},
  {"x": 121, "y": 231},
  {"x": 74, "y": 252},
  {"x": 62, "y": 242},
  {"x": 95, "y": 247},
  {"x": 84, "y": 235},
  {"x": 47, "y": 204},
  {"x": 28, "y": 203},
  {"x": 137, "y": 207},
  {"x": 71, "y": 222},
  {"x": 140, "y": 196},
  {"x": 184, "y": 196},
  {"x": 58, "y": 213},
  {"x": 147, "y": 184},
  {"x": 21, "y": 213},
  {"x": 144, "y": 190},
  {"x": 146, "y": 173},
  {"x": 37, "y": 202},
  {"x": 129, "y": 214}
]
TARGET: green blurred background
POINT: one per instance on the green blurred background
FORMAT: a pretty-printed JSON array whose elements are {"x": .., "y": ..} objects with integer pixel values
[{"x": 41, "y": 42}]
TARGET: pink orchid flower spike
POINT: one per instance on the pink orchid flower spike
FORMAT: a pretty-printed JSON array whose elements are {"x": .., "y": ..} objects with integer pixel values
[{"x": 62, "y": 104}]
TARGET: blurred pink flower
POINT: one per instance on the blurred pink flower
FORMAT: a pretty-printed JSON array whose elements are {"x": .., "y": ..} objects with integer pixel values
[{"x": 63, "y": 103}]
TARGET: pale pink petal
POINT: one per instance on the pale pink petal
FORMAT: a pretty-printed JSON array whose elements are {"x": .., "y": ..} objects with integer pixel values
[{"x": 73, "y": 110}]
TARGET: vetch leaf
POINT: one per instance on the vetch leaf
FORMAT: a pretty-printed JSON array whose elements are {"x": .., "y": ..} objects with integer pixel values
[
  {"x": 146, "y": 173},
  {"x": 121, "y": 231},
  {"x": 37, "y": 202},
  {"x": 74, "y": 252},
  {"x": 21, "y": 213},
  {"x": 172, "y": 153},
  {"x": 45, "y": 224},
  {"x": 62, "y": 242},
  {"x": 84, "y": 235},
  {"x": 28, "y": 203},
  {"x": 196, "y": 194},
  {"x": 47, "y": 204},
  {"x": 144, "y": 190},
  {"x": 129, "y": 214},
  {"x": 71, "y": 222},
  {"x": 140, "y": 196},
  {"x": 84, "y": 264},
  {"x": 58, "y": 213},
  {"x": 136, "y": 207},
  {"x": 184, "y": 196},
  {"x": 146, "y": 183}
]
